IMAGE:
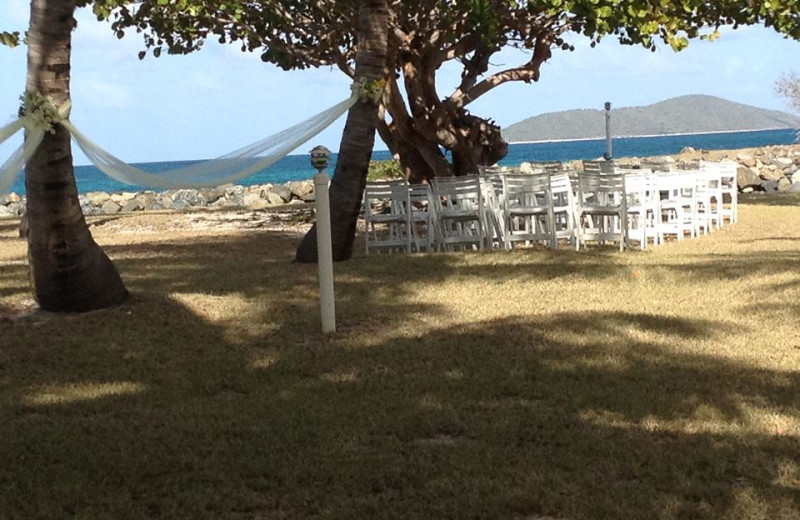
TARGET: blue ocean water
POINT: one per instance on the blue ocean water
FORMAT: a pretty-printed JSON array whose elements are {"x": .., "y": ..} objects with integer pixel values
[{"x": 297, "y": 167}]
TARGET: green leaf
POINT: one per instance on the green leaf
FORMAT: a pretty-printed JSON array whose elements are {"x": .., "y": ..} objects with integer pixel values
[{"x": 9, "y": 39}]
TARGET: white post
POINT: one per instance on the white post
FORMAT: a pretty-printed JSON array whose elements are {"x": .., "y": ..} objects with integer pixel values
[
  {"x": 609, "y": 154},
  {"x": 327, "y": 307}
]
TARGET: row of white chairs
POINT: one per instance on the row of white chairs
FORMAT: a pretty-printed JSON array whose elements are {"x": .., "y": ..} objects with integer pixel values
[{"x": 550, "y": 204}]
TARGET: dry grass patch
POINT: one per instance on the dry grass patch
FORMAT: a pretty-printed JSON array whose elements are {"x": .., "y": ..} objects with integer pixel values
[{"x": 532, "y": 384}]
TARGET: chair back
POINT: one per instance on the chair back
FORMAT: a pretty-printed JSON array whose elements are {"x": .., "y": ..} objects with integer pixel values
[
  {"x": 526, "y": 189},
  {"x": 601, "y": 188},
  {"x": 551, "y": 167},
  {"x": 380, "y": 195},
  {"x": 562, "y": 189},
  {"x": 458, "y": 194},
  {"x": 640, "y": 187},
  {"x": 598, "y": 166}
]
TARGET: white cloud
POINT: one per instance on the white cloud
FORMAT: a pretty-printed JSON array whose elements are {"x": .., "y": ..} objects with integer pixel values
[
  {"x": 94, "y": 40},
  {"x": 105, "y": 94}
]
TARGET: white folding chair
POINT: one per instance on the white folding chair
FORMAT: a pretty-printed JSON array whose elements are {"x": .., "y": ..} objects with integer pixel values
[
  {"x": 563, "y": 201},
  {"x": 528, "y": 209},
  {"x": 493, "y": 196},
  {"x": 642, "y": 205},
  {"x": 723, "y": 190},
  {"x": 601, "y": 208},
  {"x": 387, "y": 216},
  {"x": 423, "y": 217},
  {"x": 459, "y": 211},
  {"x": 704, "y": 218},
  {"x": 677, "y": 204}
]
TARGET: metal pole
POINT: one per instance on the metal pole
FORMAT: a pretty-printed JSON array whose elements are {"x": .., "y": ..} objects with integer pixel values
[
  {"x": 327, "y": 306},
  {"x": 608, "y": 155}
]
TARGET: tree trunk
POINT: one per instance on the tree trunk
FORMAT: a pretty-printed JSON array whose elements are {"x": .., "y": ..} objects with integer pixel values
[
  {"x": 478, "y": 142},
  {"x": 358, "y": 138},
  {"x": 68, "y": 270}
]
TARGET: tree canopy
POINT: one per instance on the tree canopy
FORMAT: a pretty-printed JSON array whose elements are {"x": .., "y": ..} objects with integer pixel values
[{"x": 424, "y": 35}]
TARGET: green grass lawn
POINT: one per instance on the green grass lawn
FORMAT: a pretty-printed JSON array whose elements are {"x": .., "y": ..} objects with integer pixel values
[{"x": 511, "y": 385}]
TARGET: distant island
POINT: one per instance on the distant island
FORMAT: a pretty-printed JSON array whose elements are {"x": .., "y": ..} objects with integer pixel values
[{"x": 680, "y": 115}]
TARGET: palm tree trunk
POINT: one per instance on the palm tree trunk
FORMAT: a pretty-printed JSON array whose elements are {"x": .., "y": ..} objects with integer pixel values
[
  {"x": 68, "y": 270},
  {"x": 358, "y": 138}
]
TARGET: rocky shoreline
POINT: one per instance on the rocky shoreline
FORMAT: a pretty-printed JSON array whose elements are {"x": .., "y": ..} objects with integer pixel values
[
  {"x": 766, "y": 169},
  {"x": 256, "y": 197}
]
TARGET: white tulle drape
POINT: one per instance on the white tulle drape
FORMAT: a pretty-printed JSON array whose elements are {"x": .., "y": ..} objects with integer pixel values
[{"x": 231, "y": 167}]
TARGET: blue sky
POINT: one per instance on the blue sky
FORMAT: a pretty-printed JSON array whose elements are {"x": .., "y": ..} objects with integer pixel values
[{"x": 219, "y": 99}]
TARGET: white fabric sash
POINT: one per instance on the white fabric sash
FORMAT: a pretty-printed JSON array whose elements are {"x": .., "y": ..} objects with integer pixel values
[{"x": 230, "y": 167}]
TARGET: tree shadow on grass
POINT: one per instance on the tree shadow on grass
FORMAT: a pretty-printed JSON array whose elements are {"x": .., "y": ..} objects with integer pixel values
[
  {"x": 565, "y": 416},
  {"x": 152, "y": 409},
  {"x": 9, "y": 230},
  {"x": 570, "y": 416},
  {"x": 258, "y": 264},
  {"x": 13, "y": 280}
]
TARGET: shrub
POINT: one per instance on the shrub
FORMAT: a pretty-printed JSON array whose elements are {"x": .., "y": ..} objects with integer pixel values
[{"x": 383, "y": 170}]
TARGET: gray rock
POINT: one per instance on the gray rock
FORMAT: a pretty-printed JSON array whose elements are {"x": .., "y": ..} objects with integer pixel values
[
  {"x": 281, "y": 191},
  {"x": 235, "y": 200},
  {"x": 274, "y": 199},
  {"x": 16, "y": 208},
  {"x": 133, "y": 205},
  {"x": 231, "y": 191},
  {"x": 89, "y": 209},
  {"x": 8, "y": 198},
  {"x": 770, "y": 175},
  {"x": 179, "y": 205},
  {"x": 746, "y": 177},
  {"x": 250, "y": 199},
  {"x": 795, "y": 177},
  {"x": 6, "y": 211},
  {"x": 310, "y": 197},
  {"x": 97, "y": 198},
  {"x": 166, "y": 202},
  {"x": 769, "y": 186},
  {"x": 784, "y": 161},
  {"x": 794, "y": 188},
  {"x": 121, "y": 198},
  {"x": 301, "y": 188},
  {"x": 148, "y": 198},
  {"x": 189, "y": 198},
  {"x": 784, "y": 184},
  {"x": 214, "y": 194},
  {"x": 110, "y": 207}
]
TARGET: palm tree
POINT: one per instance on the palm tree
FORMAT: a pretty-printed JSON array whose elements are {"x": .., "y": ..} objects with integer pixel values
[
  {"x": 68, "y": 270},
  {"x": 358, "y": 138}
]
